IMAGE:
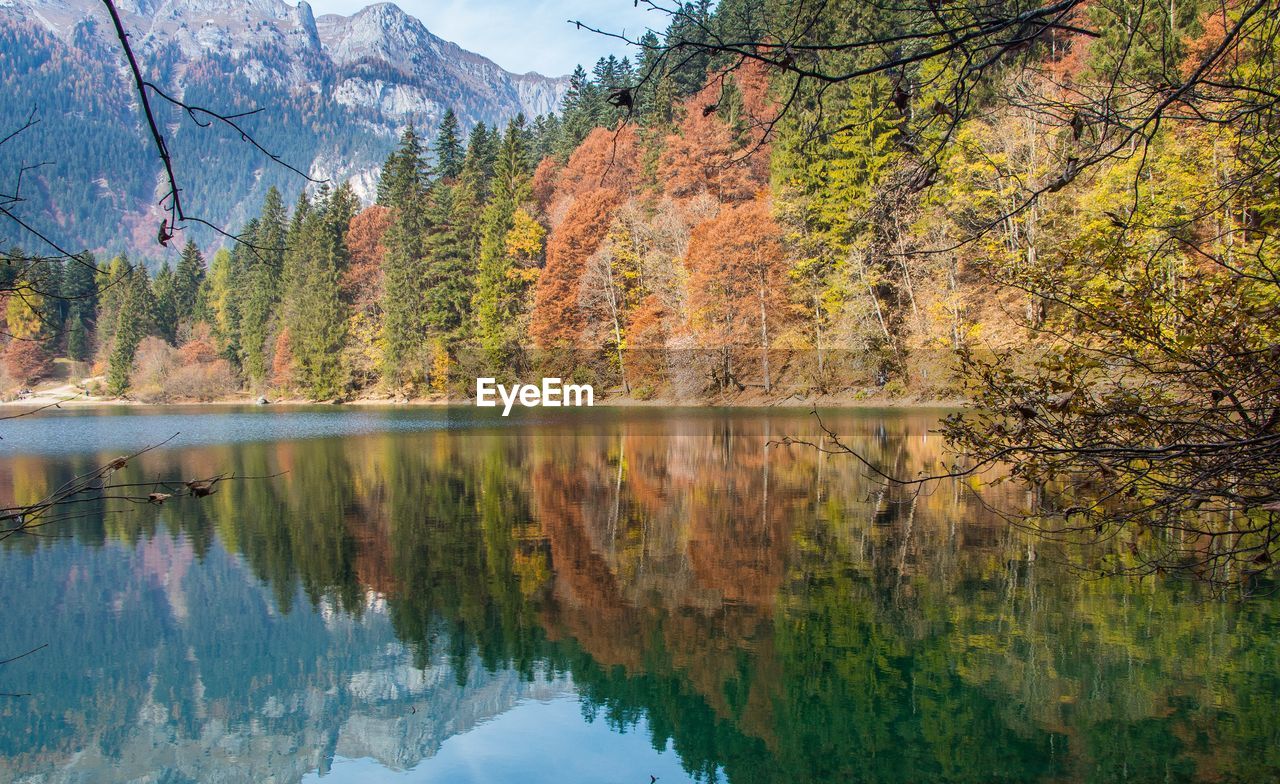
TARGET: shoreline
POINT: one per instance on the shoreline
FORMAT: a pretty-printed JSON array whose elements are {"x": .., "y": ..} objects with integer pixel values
[{"x": 45, "y": 401}]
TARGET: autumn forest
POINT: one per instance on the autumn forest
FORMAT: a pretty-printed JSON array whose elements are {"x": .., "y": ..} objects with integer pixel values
[{"x": 700, "y": 224}]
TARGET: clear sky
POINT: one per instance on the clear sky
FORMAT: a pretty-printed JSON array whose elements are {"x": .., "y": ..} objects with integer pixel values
[{"x": 524, "y": 35}]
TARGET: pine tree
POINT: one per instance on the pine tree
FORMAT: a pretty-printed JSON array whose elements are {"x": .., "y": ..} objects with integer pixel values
[
  {"x": 448, "y": 150},
  {"x": 165, "y": 291},
  {"x": 188, "y": 278},
  {"x": 111, "y": 284},
  {"x": 404, "y": 173},
  {"x": 404, "y": 272},
  {"x": 78, "y": 288},
  {"x": 77, "y": 338},
  {"x": 134, "y": 322},
  {"x": 321, "y": 327},
  {"x": 449, "y": 270},
  {"x": 477, "y": 167},
  {"x": 499, "y": 296},
  {"x": 261, "y": 268},
  {"x": 577, "y": 112}
]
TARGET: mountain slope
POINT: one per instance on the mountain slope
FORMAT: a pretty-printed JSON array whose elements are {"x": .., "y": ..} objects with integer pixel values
[{"x": 334, "y": 92}]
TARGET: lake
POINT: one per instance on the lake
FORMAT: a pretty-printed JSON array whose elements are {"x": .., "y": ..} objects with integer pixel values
[{"x": 437, "y": 595}]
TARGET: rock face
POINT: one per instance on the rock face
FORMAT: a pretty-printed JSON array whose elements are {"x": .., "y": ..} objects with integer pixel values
[{"x": 341, "y": 89}]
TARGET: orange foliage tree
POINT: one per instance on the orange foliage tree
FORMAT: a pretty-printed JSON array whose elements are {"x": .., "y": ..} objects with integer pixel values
[
  {"x": 587, "y": 194},
  {"x": 718, "y": 150},
  {"x": 25, "y": 360},
  {"x": 737, "y": 281},
  {"x": 363, "y": 278},
  {"x": 605, "y": 159},
  {"x": 557, "y": 318},
  {"x": 202, "y": 347}
]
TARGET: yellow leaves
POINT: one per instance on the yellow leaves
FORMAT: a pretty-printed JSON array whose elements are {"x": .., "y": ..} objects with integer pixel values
[
  {"x": 525, "y": 239},
  {"x": 440, "y": 368},
  {"x": 22, "y": 315}
]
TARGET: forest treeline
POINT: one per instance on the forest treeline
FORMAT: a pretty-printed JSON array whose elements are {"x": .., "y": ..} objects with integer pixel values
[{"x": 694, "y": 227}]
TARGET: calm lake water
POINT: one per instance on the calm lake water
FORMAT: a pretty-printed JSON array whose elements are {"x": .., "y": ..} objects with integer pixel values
[{"x": 588, "y": 596}]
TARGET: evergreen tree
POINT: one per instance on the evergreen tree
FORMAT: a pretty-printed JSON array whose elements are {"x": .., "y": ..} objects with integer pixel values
[
  {"x": 188, "y": 278},
  {"x": 77, "y": 338},
  {"x": 404, "y": 173},
  {"x": 404, "y": 272},
  {"x": 135, "y": 320},
  {"x": 448, "y": 150},
  {"x": 477, "y": 167},
  {"x": 321, "y": 328},
  {"x": 261, "y": 271},
  {"x": 498, "y": 298},
  {"x": 112, "y": 288},
  {"x": 449, "y": 270},
  {"x": 166, "y": 314},
  {"x": 577, "y": 112},
  {"x": 79, "y": 290}
]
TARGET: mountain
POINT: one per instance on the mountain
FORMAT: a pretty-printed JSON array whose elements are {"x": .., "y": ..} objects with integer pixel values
[{"x": 334, "y": 94}]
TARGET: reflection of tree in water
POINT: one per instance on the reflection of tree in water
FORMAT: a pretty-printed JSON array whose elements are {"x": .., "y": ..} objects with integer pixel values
[{"x": 774, "y": 614}]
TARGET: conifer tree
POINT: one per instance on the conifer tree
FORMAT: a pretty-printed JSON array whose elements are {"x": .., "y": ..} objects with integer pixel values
[
  {"x": 262, "y": 264},
  {"x": 165, "y": 293},
  {"x": 188, "y": 278},
  {"x": 134, "y": 322},
  {"x": 404, "y": 172},
  {"x": 498, "y": 299},
  {"x": 404, "y": 272},
  {"x": 449, "y": 269},
  {"x": 321, "y": 327},
  {"x": 112, "y": 288},
  {"x": 79, "y": 293},
  {"x": 77, "y": 338},
  {"x": 447, "y": 148}
]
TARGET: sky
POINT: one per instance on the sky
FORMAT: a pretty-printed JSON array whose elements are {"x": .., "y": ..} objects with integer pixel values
[{"x": 524, "y": 35}]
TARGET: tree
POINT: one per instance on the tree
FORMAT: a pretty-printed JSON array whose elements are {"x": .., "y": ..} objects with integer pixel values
[
  {"x": 447, "y": 147},
  {"x": 165, "y": 293},
  {"x": 188, "y": 279},
  {"x": 500, "y": 286},
  {"x": 404, "y": 173},
  {"x": 558, "y": 316},
  {"x": 317, "y": 340},
  {"x": 25, "y": 361},
  {"x": 77, "y": 338},
  {"x": 135, "y": 321},
  {"x": 737, "y": 280}
]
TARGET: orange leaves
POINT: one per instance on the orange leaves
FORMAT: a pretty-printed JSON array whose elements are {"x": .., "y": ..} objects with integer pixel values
[
  {"x": 706, "y": 156},
  {"x": 200, "y": 348},
  {"x": 282, "y": 365},
  {"x": 557, "y": 320},
  {"x": 737, "y": 273},
  {"x": 600, "y": 175},
  {"x": 364, "y": 242},
  {"x": 25, "y": 361},
  {"x": 605, "y": 159},
  {"x": 545, "y": 179}
]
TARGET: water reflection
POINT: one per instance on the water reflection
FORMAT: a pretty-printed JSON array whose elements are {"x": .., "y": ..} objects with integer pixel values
[{"x": 755, "y": 614}]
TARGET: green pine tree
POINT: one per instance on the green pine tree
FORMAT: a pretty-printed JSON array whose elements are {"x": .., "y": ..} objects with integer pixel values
[
  {"x": 322, "y": 324},
  {"x": 188, "y": 278},
  {"x": 498, "y": 297},
  {"x": 165, "y": 291},
  {"x": 135, "y": 320},
  {"x": 447, "y": 148}
]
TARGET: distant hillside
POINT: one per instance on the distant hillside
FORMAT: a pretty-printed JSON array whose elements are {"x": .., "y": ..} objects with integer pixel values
[{"x": 335, "y": 92}]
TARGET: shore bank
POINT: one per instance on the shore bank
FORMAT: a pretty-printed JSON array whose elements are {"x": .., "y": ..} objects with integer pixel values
[{"x": 69, "y": 397}]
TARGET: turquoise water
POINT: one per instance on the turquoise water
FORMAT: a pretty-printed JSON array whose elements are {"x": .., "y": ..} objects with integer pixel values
[{"x": 589, "y": 596}]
